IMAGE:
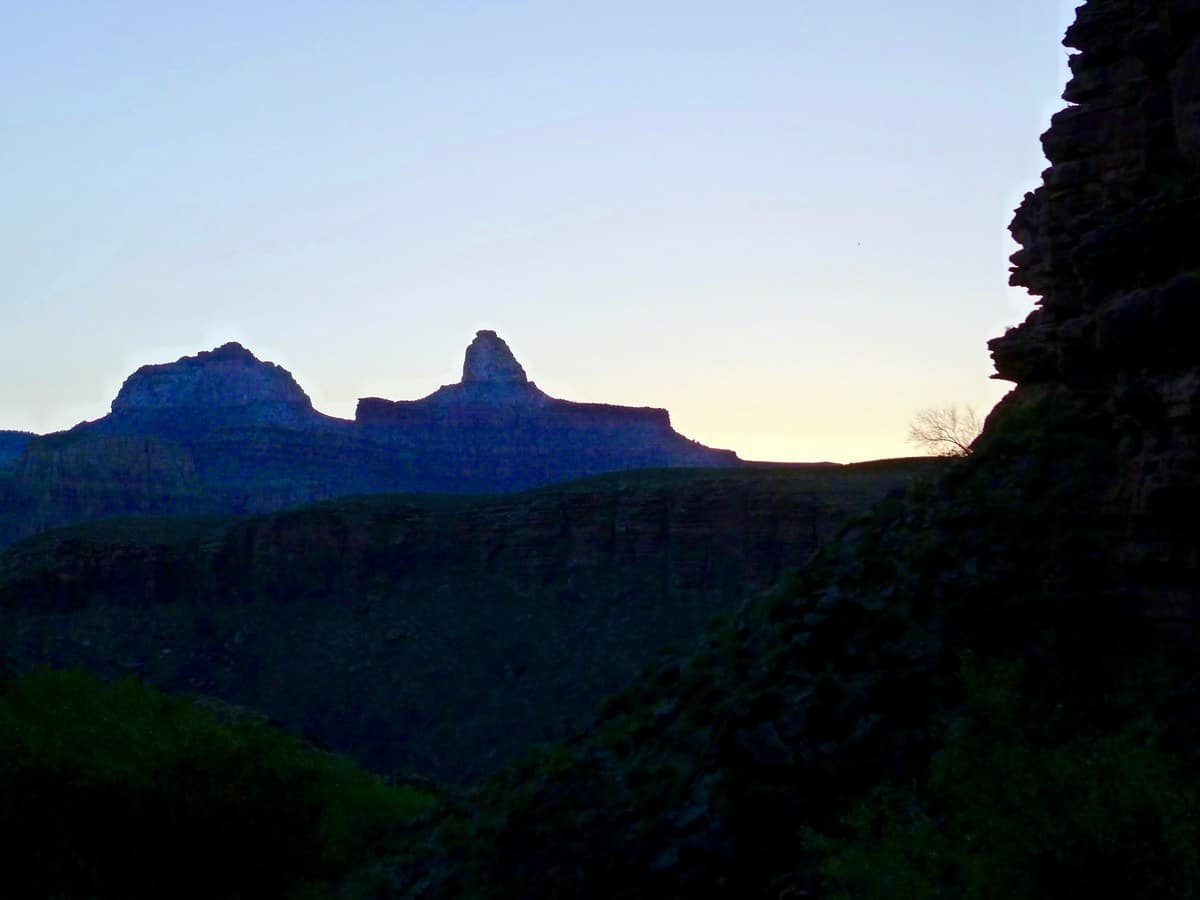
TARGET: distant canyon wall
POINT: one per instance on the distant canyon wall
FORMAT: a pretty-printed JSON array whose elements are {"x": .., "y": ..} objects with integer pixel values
[{"x": 223, "y": 432}]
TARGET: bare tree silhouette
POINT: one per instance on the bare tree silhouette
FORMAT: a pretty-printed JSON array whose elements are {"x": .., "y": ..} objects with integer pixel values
[{"x": 945, "y": 431}]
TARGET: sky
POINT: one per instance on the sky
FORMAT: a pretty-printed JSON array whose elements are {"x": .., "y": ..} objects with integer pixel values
[{"x": 785, "y": 222}]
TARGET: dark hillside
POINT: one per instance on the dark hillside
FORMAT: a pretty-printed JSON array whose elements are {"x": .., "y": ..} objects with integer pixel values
[
  {"x": 708, "y": 772},
  {"x": 115, "y": 790},
  {"x": 431, "y": 634}
]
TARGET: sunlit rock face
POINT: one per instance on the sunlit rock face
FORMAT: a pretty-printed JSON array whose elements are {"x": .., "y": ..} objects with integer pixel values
[{"x": 1109, "y": 245}]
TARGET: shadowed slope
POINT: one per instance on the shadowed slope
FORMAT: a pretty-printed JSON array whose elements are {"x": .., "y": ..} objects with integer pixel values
[{"x": 440, "y": 635}]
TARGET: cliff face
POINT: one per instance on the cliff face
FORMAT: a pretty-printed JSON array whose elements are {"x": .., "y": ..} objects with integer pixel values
[
  {"x": 440, "y": 635},
  {"x": 223, "y": 432},
  {"x": 64, "y": 481},
  {"x": 1109, "y": 246},
  {"x": 12, "y": 445}
]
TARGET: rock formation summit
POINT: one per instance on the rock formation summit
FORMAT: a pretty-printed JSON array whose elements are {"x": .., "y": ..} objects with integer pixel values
[
  {"x": 490, "y": 361},
  {"x": 497, "y": 405},
  {"x": 228, "y": 385},
  {"x": 491, "y": 377}
]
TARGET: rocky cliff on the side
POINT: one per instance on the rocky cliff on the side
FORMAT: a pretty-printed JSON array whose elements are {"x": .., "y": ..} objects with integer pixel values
[{"x": 1109, "y": 246}]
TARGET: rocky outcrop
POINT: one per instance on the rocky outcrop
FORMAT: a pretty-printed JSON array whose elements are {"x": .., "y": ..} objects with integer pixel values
[
  {"x": 1108, "y": 245},
  {"x": 493, "y": 382},
  {"x": 225, "y": 386},
  {"x": 489, "y": 361}
]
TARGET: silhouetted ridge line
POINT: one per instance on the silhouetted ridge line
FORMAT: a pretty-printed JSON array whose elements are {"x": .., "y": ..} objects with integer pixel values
[{"x": 225, "y": 432}]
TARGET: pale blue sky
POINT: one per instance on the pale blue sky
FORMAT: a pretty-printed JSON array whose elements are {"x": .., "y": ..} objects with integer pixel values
[{"x": 783, "y": 221}]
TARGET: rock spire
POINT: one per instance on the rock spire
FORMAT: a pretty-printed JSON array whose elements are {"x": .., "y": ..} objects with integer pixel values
[{"x": 490, "y": 360}]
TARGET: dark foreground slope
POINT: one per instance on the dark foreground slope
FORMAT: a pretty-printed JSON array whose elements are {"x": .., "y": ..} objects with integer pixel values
[
  {"x": 435, "y": 635},
  {"x": 114, "y": 790},
  {"x": 704, "y": 778},
  {"x": 989, "y": 688}
]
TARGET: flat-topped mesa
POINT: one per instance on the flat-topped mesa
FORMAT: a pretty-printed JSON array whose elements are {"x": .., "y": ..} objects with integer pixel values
[
  {"x": 496, "y": 391},
  {"x": 498, "y": 411},
  {"x": 228, "y": 385}
]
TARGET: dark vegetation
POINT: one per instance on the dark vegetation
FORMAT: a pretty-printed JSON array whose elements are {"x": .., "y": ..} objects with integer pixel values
[{"x": 116, "y": 790}]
